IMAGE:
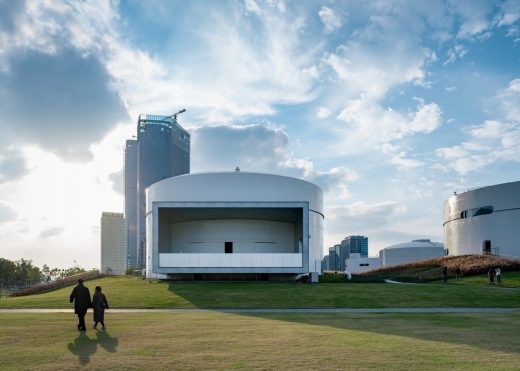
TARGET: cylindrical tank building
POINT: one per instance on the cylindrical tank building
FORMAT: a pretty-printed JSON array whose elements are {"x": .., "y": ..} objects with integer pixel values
[
  {"x": 233, "y": 224},
  {"x": 484, "y": 220}
]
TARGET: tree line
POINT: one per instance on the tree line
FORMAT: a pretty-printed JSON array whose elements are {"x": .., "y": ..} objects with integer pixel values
[{"x": 22, "y": 273}]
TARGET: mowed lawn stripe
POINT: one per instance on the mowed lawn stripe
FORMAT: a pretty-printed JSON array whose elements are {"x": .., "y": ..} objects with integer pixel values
[
  {"x": 268, "y": 341},
  {"x": 125, "y": 292}
]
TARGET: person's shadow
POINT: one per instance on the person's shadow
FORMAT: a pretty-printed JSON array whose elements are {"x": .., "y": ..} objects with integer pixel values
[
  {"x": 106, "y": 341},
  {"x": 84, "y": 347}
]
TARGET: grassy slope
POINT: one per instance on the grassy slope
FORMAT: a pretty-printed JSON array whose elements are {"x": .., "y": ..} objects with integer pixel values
[
  {"x": 225, "y": 341},
  {"x": 137, "y": 293},
  {"x": 509, "y": 279}
]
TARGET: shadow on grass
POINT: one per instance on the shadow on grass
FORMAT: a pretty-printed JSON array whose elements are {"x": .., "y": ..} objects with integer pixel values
[
  {"x": 486, "y": 330},
  {"x": 496, "y": 332},
  {"x": 84, "y": 347}
]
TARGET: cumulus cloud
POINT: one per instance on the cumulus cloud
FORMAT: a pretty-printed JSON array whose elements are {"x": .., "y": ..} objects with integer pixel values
[
  {"x": 378, "y": 57},
  {"x": 491, "y": 141},
  {"x": 371, "y": 126},
  {"x": 262, "y": 148},
  {"x": 331, "y": 19},
  {"x": 486, "y": 143},
  {"x": 61, "y": 102}
]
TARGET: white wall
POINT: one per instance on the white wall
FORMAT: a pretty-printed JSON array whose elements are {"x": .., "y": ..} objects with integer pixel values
[
  {"x": 465, "y": 236},
  {"x": 248, "y": 236},
  {"x": 360, "y": 265}
]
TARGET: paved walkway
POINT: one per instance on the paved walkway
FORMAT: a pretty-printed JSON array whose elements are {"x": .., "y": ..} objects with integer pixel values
[{"x": 285, "y": 310}]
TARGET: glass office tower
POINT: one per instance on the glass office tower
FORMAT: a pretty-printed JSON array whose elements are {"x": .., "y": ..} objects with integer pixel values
[{"x": 162, "y": 151}]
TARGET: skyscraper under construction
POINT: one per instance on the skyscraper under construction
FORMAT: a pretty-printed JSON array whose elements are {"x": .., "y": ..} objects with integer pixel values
[{"x": 161, "y": 150}]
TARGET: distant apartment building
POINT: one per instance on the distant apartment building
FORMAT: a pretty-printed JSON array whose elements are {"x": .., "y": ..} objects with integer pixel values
[
  {"x": 130, "y": 174},
  {"x": 161, "y": 150},
  {"x": 334, "y": 258},
  {"x": 113, "y": 257},
  {"x": 325, "y": 263}
]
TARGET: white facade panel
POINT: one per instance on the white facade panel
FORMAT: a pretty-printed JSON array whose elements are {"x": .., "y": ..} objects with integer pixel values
[{"x": 230, "y": 260}]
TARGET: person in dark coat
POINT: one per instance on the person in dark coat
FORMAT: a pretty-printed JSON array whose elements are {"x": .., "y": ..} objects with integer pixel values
[
  {"x": 99, "y": 303},
  {"x": 81, "y": 297}
]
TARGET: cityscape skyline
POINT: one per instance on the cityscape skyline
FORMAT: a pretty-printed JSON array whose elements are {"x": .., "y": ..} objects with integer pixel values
[{"x": 389, "y": 106}]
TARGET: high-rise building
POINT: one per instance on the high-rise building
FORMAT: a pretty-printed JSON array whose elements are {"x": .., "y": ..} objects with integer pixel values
[
  {"x": 353, "y": 245},
  {"x": 113, "y": 243},
  {"x": 131, "y": 203},
  {"x": 163, "y": 151}
]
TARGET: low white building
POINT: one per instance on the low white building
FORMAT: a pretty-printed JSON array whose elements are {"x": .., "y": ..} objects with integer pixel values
[
  {"x": 357, "y": 264},
  {"x": 484, "y": 220},
  {"x": 234, "y": 223},
  {"x": 410, "y": 252}
]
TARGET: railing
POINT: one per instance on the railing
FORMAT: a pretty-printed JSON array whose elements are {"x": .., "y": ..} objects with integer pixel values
[{"x": 61, "y": 282}]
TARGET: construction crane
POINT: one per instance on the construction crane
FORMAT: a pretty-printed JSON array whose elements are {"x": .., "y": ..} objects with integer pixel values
[{"x": 174, "y": 116}]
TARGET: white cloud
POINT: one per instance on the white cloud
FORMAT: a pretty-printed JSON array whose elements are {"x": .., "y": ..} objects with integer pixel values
[
  {"x": 261, "y": 148},
  {"x": 379, "y": 57},
  {"x": 323, "y": 113},
  {"x": 369, "y": 125},
  {"x": 474, "y": 15},
  {"x": 332, "y": 19},
  {"x": 509, "y": 12},
  {"x": 487, "y": 143},
  {"x": 456, "y": 52}
]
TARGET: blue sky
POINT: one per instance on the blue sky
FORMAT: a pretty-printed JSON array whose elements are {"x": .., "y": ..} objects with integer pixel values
[{"x": 390, "y": 106}]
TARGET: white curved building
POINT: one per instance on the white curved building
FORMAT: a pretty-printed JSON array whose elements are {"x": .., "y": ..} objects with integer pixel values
[
  {"x": 238, "y": 223},
  {"x": 484, "y": 220},
  {"x": 409, "y": 252}
]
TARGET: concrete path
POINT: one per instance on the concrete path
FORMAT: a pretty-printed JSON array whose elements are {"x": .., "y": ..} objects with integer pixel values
[{"x": 285, "y": 310}]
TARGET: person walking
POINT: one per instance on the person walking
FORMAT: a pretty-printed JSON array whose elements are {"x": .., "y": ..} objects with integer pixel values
[
  {"x": 491, "y": 275},
  {"x": 81, "y": 297},
  {"x": 445, "y": 274},
  {"x": 99, "y": 303},
  {"x": 498, "y": 275}
]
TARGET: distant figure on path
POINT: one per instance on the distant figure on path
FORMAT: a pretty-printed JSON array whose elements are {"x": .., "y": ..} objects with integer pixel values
[
  {"x": 81, "y": 298},
  {"x": 99, "y": 303},
  {"x": 491, "y": 275},
  {"x": 498, "y": 274},
  {"x": 457, "y": 273},
  {"x": 445, "y": 274}
]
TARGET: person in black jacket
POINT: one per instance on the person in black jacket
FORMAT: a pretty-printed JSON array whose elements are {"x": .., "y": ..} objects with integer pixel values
[
  {"x": 99, "y": 303},
  {"x": 81, "y": 298}
]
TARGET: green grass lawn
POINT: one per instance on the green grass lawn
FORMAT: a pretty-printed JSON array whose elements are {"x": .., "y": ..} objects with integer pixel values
[
  {"x": 125, "y": 292},
  {"x": 194, "y": 341},
  {"x": 509, "y": 279}
]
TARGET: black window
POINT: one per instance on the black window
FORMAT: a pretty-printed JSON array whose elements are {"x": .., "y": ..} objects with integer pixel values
[
  {"x": 484, "y": 210},
  {"x": 228, "y": 247}
]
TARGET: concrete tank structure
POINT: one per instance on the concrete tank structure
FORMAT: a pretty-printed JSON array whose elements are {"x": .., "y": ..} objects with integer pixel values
[
  {"x": 234, "y": 223},
  {"x": 484, "y": 220}
]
